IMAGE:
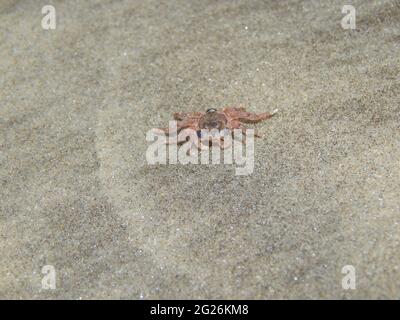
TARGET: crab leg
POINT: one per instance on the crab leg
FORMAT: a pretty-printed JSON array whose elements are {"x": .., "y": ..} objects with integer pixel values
[
  {"x": 248, "y": 117},
  {"x": 222, "y": 143},
  {"x": 235, "y": 124},
  {"x": 198, "y": 143}
]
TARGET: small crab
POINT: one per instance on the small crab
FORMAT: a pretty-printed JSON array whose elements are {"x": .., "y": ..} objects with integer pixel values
[{"x": 224, "y": 121}]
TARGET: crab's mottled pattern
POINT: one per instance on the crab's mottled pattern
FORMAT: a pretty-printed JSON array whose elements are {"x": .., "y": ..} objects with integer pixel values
[{"x": 226, "y": 120}]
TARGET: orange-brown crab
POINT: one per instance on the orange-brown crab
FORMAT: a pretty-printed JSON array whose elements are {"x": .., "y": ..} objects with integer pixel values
[{"x": 224, "y": 121}]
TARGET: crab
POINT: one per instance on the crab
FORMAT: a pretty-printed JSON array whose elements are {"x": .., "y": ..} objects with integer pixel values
[{"x": 224, "y": 122}]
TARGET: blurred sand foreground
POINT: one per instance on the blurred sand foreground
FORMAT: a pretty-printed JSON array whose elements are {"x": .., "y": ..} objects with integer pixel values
[{"x": 76, "y": 191}]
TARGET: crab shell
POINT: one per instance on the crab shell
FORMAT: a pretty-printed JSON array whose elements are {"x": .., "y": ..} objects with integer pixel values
[{"x": 223, "y": 122}]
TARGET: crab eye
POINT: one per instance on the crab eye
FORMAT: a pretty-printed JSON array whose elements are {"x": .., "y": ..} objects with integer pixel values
[{"x": 211, "y": 110}]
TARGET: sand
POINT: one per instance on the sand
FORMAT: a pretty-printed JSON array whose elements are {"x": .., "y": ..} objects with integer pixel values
[{"x": 76, "y": 190}]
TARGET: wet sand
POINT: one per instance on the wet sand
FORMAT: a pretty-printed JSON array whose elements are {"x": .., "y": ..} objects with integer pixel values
[{"x": 76, "y": 190}]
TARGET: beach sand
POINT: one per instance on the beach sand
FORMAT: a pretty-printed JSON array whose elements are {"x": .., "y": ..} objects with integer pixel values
[{"x": 76, "y": 190}]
